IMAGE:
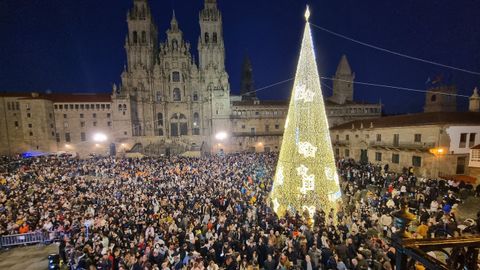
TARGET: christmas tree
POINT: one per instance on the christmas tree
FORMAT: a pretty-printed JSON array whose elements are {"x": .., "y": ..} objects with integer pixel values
[{"x": 306, "y": 178}]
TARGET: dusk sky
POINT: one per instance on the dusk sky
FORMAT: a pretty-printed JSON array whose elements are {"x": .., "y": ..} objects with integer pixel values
[{"x": 77, "y": 46}]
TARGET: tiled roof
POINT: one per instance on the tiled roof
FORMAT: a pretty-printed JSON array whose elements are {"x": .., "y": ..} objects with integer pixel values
[
  {"x": 62, "y": 97},
  {"x": 476, "y": 147},
  {"x": 418, "y": 119}
]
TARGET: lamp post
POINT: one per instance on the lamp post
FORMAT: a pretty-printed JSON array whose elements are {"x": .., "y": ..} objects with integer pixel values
[{"x": 438, "y": 152}]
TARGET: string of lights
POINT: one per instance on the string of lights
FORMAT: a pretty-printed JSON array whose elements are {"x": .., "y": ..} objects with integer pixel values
[{"x": 394, "y": 52}]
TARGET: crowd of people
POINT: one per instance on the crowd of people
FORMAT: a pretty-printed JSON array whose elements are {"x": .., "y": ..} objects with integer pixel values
[{"x": 213, "y": 213}]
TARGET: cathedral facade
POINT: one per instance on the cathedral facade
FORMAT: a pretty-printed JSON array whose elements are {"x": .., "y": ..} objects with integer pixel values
[{"x": 167, "y": 101}]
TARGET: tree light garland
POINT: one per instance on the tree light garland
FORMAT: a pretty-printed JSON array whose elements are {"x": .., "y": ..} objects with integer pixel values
[{"x": 306, "y": 179}]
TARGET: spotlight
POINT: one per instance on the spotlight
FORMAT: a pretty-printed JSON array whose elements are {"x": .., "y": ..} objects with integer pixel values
[
  {"x": 54, "y": 261},
  {"x": 99, "y": 137},
  {"x": 221, "y": 136}
]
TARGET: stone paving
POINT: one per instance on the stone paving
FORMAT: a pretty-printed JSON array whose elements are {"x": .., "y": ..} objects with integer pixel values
[{"x": 27, "y": 258}]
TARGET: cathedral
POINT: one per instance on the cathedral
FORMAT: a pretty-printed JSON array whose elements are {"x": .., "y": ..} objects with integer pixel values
[{"x": 167, "y": 101}]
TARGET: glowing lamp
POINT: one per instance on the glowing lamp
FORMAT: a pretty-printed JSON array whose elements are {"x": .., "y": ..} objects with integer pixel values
[
  {"x": 221, "y": 136},
  {"x": 99, "y": 137}
]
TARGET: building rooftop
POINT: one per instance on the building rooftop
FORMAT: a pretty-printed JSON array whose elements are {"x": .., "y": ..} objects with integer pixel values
[
  {"x": 418, "y": 119},
  {"x": 62, "y": 97},
  {"x": 286, "y": 103},
  {"x": 476, "y": 147}
]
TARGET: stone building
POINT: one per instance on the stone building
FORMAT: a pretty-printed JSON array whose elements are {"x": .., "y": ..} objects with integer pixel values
[
  {"x": 167, "y": 101},
  {"x": 435, "y": 144}
]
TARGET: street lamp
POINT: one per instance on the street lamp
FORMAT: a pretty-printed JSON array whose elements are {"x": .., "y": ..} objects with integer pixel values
[
  {"x": 99, "y": 137},
  {"x": 222, "y": 135}
]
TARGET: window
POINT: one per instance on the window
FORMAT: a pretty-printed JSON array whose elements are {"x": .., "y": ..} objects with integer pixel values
[
  {"x": 17, "y": 106},
  {"x": 418, "y": 137},
  {"x": 64, "y": 116},
  {"x": 433, "y": 98},
  {"x": 176, "y": 95},
  {"x": 158, "y": 97},
  {"x": 461, "y": 165},
  {"x": 82, "y": 106},
  {"x": 94, "y": 115},
  {"x": 160, "y": 119},
  {"x": 463, "y": 140},
  {"x": 119, "y": 107},
  {"x": 94, "y": 124},
  {"x": 30, "y": 126},
  {"x": 135, "y": 37},
  {"x": 416, "y": 161},
  {"x": 81, "y": 115},
  {"x": 50, "y": 115},
  {"x": 82, "y": 124},
  {"x": 395, "y": 158},
  {"x": 76, "y": 107},
  {"x": 109, "y": 123},
  {"x": 97, "y": 106},
  {"x": 31, "y": 133},
  {"x": 214, "y": 38},
  {"x": 337, "y": 152},
  {"x": 109, "y": 115},
  {"x": 257, "y": 113},
  {"x": 83, "y": 137},
  {"x": 67, "y": 137},
  {"x": 108, "y": 106},
  {"x": 9, "y": 106},
  {"x": 337, "y": 137},
  {"x": 396, "y": 139},
  {"x": 471, "y": 142},
  {"x": 195, "y": 96},
  {"x": 252, "y": 131},
  {"x": 103, "y": 107},
  {"x": 196, "y": 124},
  {"x": 125, "y": 133},
  {"x": 347, "y": 152},
  {"x": 378, "y": 156},
  {"x": 71, "y": 106},
  {"x": 57, "y": 137},
  {"x": 176, "y": 76},
  {"x": 178, "y": 125},
  {"x": 29, "y": 115},
  {"x": 207, "y": 38},
  {"x": 379, "y": 137},
  {"x": 243, "y": 126},
  {"x": 61, "y": 107},
  {"x": 267, "y": 128},
  {"x": 277, "y": 126},
  {"x": 65, "y": 124},
  {"x": 144, "y": 37},
  {"x": 347, "y": 137},
  {"x": 16, "y": 123},
  {"x": 87, "y": 106}
]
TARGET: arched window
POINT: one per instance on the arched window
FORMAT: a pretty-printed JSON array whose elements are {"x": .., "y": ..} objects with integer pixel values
[
  {"x": 214, "y": 37},
  {"x": 135, "y": 37},
  {"x": 144, "y": 37},
  {"x": 119, "y": 107},
  {"x": 195, "y": 96},
  {"x": 124, "y": 107},
  {"x": 176, "y": 76},
  {"x": 178, "y": 125},
  {"x": 159, "y": 96},
  {"x": 196, "y": 124},
  {"x": 177, "y": 96},
  {"x": 160, "y": 119},
  {"x": 207, "y": 38},
  {"x": 433, "y": 98}
]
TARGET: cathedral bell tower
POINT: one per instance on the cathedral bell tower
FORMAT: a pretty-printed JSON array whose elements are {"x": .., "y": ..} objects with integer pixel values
[
  {"x": 141, "y": 40},
  {"x": 211, "y": 50}
]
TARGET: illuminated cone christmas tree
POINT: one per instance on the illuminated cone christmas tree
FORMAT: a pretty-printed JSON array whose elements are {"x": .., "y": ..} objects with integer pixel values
[{"x": 306, "y": 178}]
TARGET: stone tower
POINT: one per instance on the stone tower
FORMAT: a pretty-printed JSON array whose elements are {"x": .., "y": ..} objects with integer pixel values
[
  {"x": 474, "y": 104},
  {"x": 343, "y": 82},
  {"x": 441, "y": 99},
  {"x": 247, "y": 88},
  {"x": 211, "y": 50}
]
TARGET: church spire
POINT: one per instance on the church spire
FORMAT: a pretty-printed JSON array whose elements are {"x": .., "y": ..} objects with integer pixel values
[{"x": 247, "y": 90}]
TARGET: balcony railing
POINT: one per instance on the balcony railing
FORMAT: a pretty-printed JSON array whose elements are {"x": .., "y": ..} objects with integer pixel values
[
  {"x": 257, "y": 134},
  {"x": 401, "y": 145}
]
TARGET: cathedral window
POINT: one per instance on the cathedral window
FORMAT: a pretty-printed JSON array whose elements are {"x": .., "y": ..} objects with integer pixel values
[
  {"x": 159, "y": 96},
  {"x": 176, "y": 76},
  {"x": 119, "y": 107},
  {"x": 433, "y": 98},
  {"x": 195, "y": 96},
  {"x": 144, "y": 37},
  {"x": 207, "y": 38},
  {"x": 196, "y": 124},
  {"x": 214, "y": 37},
  {"x": 178, "y": 125},
  {"x": 160, "y": 119},
  {"x": 177, "y": 96},
  {"x": 135, "y": 37},
  {"x": 124, "y": 107}
]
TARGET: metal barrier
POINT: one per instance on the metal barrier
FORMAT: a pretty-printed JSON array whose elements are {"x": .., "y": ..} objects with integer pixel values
[{"x": 23, "y": 239}]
